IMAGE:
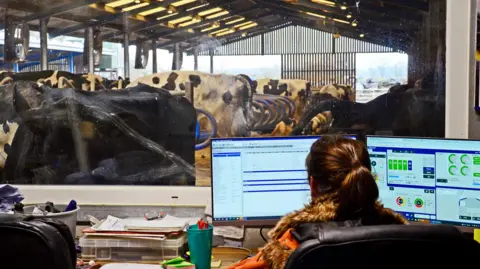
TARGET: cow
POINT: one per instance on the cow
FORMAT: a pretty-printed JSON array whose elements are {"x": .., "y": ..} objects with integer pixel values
[
  {"x": 62, "y": 79},
  {"x": 341, "y": 92},
  {"x": 143, "y": 135},
  {"x": 228, "y": 98},
  {"x": 295, "y": 89},
  {"x": 402, "y": 113}
]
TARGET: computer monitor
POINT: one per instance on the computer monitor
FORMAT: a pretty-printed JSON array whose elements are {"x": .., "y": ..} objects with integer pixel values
[
  {"x": 256, "y": 181},
  {"x": 429, "y": 180}
]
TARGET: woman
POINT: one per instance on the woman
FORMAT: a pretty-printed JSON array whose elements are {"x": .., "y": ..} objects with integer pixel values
[{"x": 342, "y": 188}]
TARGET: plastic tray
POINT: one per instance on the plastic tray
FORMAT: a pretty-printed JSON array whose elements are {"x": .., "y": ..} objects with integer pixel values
[{"x": 130, "y": 249}]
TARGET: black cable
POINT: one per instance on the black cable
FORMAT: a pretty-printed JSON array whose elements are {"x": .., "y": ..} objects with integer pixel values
[{"x": 261, "y": 234}]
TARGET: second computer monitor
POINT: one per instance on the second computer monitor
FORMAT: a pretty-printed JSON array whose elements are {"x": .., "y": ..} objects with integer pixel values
[
  {"x": 429, "y": 180},
  {"x": 256, "y": 181}
]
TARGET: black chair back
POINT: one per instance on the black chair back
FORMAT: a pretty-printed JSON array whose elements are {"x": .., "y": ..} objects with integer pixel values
[{"x": 409, "y": 246}]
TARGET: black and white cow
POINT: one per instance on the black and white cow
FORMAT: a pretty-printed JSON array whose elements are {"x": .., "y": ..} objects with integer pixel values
[
  {"x": 226, "y": 97},
  {"x": 62, "y": 79},
  {"x": 142, "y": 135}
]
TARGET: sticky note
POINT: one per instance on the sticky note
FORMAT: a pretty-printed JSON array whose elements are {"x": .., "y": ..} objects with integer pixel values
[{"x": 476, "y": 235}]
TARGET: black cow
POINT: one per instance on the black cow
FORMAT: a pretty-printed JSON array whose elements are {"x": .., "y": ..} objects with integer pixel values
[
  {"x": 142, "y": 135},
  {"x": 403, "y": 114}
]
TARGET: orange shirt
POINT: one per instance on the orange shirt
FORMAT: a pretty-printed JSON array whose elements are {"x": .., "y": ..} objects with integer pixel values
[{"x": 257, "y": 262}]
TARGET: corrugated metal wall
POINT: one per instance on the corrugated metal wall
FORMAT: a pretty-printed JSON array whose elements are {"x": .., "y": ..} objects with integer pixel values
[
  {"x": 320, "y": 68},
  {"x": 296, "y": 40}
]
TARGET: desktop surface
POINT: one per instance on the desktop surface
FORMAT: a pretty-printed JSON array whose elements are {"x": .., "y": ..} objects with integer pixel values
[
  {"x": 428, "y": 180},
  {"x": 256, "y": 181}
]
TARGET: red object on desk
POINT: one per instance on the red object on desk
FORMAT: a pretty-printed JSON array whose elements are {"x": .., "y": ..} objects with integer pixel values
[{"x": 202, "y": 224}]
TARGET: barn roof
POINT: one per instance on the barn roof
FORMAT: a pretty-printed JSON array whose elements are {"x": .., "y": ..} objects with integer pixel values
[{"x": 384, "y": 22}]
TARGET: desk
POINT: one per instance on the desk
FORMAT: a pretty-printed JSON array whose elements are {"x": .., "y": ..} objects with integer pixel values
[{"x": 228, "y": 256}]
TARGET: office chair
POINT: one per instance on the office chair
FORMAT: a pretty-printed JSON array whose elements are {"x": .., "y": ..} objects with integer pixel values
[{"x": 415, "y": 246}]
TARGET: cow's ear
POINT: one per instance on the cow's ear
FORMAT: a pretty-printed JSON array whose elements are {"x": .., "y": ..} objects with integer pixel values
[{"x": 19, "y": 101}]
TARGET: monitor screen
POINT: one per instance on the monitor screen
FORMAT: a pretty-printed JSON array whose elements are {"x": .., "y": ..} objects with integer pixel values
[
  {"x": 428, "y": 180},
  {"x": 256, "y": 181}
]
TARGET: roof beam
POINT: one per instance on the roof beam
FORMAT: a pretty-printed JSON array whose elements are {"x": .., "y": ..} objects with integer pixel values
[
  {"x": 60, "y": 9},
  {"x": 292, "y": 11},
  {"x": 101, "y": 20},
  {"x": 236, "y": 36},
  {"x": 359, "y": 14},
  {"x": 367, "y": 38},
  {"x": 200, "y": 34},
  {"x": 384, "y": 39},
  {"x": 182, "y": 12},
  {"x": 232, "y": 13}
]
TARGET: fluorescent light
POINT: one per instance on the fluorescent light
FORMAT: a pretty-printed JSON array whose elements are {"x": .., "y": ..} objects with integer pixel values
[
  {"x": 166, "y": 16},
  {"x": 220, "y": 31},
  {"x": 234, "y": 21},
  {"x": 188, "y": 23},
  {"x": 210, "y": 11},
  {"x": 316, "y": 15},
  {"x": 231, "y": 31},
  {"x": 134, "y": 7},
  {"x": 119, "y": 3},
  {"x": 151, "y": 11},
  {"x": 182, "y": 2},
  {"x": 248, "y": 26},
  {"x": 209, "y": 28},
  {"x": 197, "y": 7},
  {"x": 324, "y": 2},
  {"x": 180, "y": 20},
  {"x": 243, "y": 24},
  {"x": 342, "y": 21},
  {"x": 219, "y": 14}
]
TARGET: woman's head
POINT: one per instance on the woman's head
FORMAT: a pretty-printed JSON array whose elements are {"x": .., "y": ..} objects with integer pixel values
[{"x": 340, "y": 167}]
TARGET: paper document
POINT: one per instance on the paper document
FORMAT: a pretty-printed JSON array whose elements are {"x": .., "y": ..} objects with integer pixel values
[
  {"x": 229, "y": 232},
  {"x": 111, "y": 223}
]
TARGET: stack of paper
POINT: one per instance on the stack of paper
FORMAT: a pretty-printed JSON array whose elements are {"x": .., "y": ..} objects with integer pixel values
[{"x": 139, "y": 228}]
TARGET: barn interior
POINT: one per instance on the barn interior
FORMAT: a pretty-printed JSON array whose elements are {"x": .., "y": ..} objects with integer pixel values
[
  {"x": 415, "y": 27},
  {"x": 113, "y": 53}
]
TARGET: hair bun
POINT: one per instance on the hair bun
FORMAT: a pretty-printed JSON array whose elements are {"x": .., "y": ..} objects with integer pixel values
[{"x": 359, "y": 189}]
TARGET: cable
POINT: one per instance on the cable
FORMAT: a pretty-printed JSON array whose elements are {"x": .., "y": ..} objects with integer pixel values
[{"x": 261, "y": 234}]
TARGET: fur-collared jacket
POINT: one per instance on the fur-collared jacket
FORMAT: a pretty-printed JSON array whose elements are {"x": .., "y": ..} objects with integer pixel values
[{"x": 324, "y": 209}]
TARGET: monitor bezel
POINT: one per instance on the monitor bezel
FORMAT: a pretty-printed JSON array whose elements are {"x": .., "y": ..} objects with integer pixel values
[
  {"x": 262, "y": 222},
  {"x": 459, "y": 227}
]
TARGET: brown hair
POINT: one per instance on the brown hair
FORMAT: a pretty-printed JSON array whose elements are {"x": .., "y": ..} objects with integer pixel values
[{"x": 340, "y": 168}]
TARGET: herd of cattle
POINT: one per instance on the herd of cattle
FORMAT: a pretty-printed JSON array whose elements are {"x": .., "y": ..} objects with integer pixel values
[{"x": 63, "y": 128}]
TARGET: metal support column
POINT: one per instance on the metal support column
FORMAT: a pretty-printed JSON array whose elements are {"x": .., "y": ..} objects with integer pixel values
[
  {"x": 43, "y": 44},
  {"x": 460, "y": 68},
  {"x": 176, "y": 55},
  {"x": 211, "y": 52},
  {"x": 154, "y": 56},
  {"x": 91, "y": 65},
  {"x": 71, "y": 63},
  {"x": 195, "y": 60},
  {"x": 126, "y": 45}
]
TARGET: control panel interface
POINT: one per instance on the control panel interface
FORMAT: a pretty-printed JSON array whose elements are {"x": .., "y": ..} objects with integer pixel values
[
  {"x": 428, "y": 180},
  {"x": 259, "y": 178}
]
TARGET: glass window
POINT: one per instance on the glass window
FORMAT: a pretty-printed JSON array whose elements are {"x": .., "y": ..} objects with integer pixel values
[{"x": 77, "y": 108}]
